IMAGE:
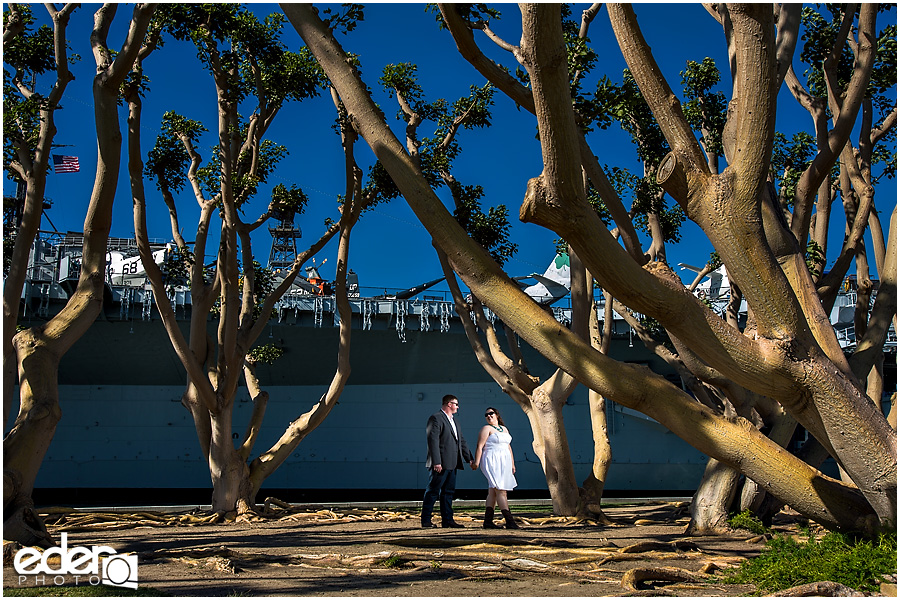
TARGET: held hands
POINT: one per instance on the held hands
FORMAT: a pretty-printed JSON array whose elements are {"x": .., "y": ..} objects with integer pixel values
[{"x": 473, "y": 464}]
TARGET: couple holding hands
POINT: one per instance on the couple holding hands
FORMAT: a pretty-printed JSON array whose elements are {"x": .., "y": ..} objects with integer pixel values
[{"x": 447, "y": 453}]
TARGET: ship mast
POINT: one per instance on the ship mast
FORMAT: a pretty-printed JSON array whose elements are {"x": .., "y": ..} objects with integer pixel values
[{"x": 284, "y": 241}]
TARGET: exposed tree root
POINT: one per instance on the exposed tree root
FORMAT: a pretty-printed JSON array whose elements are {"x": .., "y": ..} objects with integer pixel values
[
  {"x": 828, "y": 589},
  {"x": 23, "y": 524},
  {"x": 635, "y": 577},
  {"x": 67, "y": 519},
  {"x": 468, "y": 559},
  {"x": 693, "y": 529},
  {"x": 677, "y": 546}
]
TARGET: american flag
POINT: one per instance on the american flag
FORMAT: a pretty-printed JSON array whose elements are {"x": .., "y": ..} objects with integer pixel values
[{"x": 65, "y": 164}]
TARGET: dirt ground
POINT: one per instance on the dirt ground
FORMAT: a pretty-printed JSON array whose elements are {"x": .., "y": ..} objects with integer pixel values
[{"x": 308, "y": 551}]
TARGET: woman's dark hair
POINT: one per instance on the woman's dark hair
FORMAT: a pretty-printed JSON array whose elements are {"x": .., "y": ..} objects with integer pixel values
[{"x": 499, "y": 418}]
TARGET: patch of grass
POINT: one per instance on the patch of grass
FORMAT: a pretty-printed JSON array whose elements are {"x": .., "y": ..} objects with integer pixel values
[
  {"x": 393, "y": 562},
  {"x": 749, "y": 521},
  {"x": 786, "y": 562},
  {"x": 80, "y": 591}
]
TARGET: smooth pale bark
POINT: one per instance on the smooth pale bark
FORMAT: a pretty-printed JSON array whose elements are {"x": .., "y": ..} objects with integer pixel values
[
  {"x": 521, "y": 95},
  {"x": 753, "y": 497},
  {"x": 211, "y": 365},
  {"x": 733, "y": 441},
  {"x": 713, "y": 499},
  {"x": 541, "y": 403},
  {"x": 39, "y": 349},
  {"x": 593, "y": 486},
  {"x": 831, "y": 404},
  {"x": 686, "y": 178},
  {"x": 33, "y": 172},
  {"x": 267, "y": 462}
]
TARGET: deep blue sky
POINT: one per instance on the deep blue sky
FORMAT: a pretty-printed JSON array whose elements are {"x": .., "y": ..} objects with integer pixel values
[{"x": 389, "y": 248}]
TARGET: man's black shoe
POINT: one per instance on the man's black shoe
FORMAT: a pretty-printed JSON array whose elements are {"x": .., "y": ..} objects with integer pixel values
[
  {"x": 453, "y": 524},
  {"x": 428, "y": 525}
]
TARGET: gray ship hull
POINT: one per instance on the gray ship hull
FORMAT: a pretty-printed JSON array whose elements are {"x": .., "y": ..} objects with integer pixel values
[{"x": 123, "y": 425}]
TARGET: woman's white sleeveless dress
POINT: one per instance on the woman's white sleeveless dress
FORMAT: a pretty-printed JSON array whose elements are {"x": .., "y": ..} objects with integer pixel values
[{"x": 496, "y": 461}]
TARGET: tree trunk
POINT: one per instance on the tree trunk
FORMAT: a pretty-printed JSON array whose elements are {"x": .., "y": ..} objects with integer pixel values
[
  {"x": 593, "y": 485},
  {"x": 713, "y": 499},
  {"x": 228, "y": 471},
  {"x": 39, "y": 349},
  {"x": 735, "y": 442},
  {"x": 28, "y": 440},
  {"x": 557, "y": 461},
  {"x": 753, "y": 496}
]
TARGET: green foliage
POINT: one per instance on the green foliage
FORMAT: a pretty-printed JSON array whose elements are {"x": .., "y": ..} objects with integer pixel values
[
  {"x": 344, "y": 20},
  {"x": 291, "y": 76},
  {"x": 715, "y": 261},
  {"x": 625, "y": 104},
  {"x": 244, "y": 182},
  {"x": 491, "y": 230},
  {"x": 821, "y": 26},
  {"x": 705, "y": 110},
  {"x": 647, "y": 197},
  {"x": 815, "y": 257},
  {"x": 267, "y": 354},
  {"x": 786, "y": 562},
  {"x": 436, "y": 155},
  {"x": 561, "y": 246},
  {"x": 379, "y": 185},
  {"x": 176, "y": 268},
  {"x": 289, "y": 201},
  {"x": 251, "y": 57},
  {"x": 596, "y": 202},
  {"x": 437, "y": 152},
  {"x": 884, "y": 72},
  {"x": 473, "y": 13},
  {"x": 167, "y": 161},
  {"x": 10, "y": 230},
  {"x": 393, "y": 562},
  {"x": 580, "y": 57},
  {"x": 263, "y": 285},
  {"x": 135, "y": 83},
  {"x": 27, "y": 55},
  {"x": 401, "y": 78},
  {"x": 820, "y": 32},
  {"x": 656, "y": 330},
  {"x": 232, "y": 36},
  {"x": 789, "y": 161},
  {"x": 747, "y": 520},
  {"x": 30, "y": 52}
]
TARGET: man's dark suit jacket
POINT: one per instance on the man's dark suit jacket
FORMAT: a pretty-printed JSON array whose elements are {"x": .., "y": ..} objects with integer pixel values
[{"x": 443, "y": 447}]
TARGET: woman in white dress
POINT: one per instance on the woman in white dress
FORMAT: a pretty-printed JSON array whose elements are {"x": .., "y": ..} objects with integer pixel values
[{"x": 494, "y": 456}]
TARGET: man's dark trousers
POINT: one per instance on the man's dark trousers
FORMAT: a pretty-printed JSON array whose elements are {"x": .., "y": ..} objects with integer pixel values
[{"x": 440, "y": 485}]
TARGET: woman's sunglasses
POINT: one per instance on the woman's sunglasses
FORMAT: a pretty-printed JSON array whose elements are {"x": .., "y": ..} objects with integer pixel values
[{"x": 488, "y": 414}]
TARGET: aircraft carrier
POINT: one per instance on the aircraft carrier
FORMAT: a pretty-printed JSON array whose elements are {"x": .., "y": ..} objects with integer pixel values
[{"x": 123, "y": 426}]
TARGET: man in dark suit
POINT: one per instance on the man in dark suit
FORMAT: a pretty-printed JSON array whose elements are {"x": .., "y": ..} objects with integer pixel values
[{"x": 447, "y": 453}]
